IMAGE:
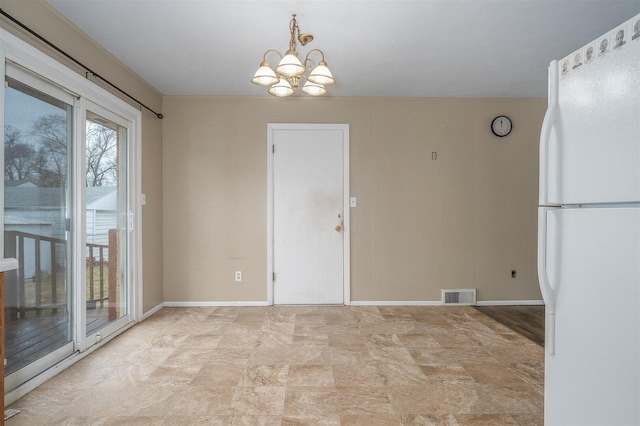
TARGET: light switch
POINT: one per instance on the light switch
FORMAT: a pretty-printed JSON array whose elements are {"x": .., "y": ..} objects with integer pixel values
[
  {"x": 353, "y": 202},
  {"x": 143, "y": 199}
]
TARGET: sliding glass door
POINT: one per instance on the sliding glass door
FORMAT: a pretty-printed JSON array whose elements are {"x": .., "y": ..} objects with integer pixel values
[
  {"x": 108, "y": 223},
  {"x": 68, "y": 220},
  {"x": 37, "y": 216}
]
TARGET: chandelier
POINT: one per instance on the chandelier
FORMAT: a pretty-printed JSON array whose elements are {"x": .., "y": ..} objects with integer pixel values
[{"x": 286, "y": 78}]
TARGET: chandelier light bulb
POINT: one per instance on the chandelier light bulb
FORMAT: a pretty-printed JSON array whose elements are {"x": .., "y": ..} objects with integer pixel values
[
  {"x": 313, "y": 89},
  {"x": 321, "y": 74},
  {"x": 265, "y": 75},
  {"x": 290, "y": 65},
  {"x": 281, "y": 89}
]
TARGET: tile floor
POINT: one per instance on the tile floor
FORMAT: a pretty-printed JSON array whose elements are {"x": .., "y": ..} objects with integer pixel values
[{"x": 301, "y": 366}]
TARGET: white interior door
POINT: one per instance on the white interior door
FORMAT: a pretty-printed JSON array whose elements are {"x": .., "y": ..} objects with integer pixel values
[{"x": 309, "y": 231}]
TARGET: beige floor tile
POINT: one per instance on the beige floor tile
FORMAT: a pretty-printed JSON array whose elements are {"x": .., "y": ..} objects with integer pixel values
[
  {"x": 310, "y": 375},
  {"x": 301, "y": 365},
  {"x": 259, "y": 400},
  {"x": 485, "y": 420},
  {"x": 265, "y": 375},
  {"x": 452, "y": 374},
  {"x": 216, "y": 375},
  {"x": 357, "y": 355},
  {"x": 201, "y": 401},
  {"x": 358, "y": 375},
  {"x": 197, "y": 420},
  {"x": 370, "y": 419},
  {"x": 311, "y": 401},
  {"x": 443, "y": 399},
  {"x": 429, "y": 420},
  {"x": 364, "y": 400},
  {"x": 310, "y": 421},
  {"x": 255, "y": 421},
  {"x": 492, "y": 372}
]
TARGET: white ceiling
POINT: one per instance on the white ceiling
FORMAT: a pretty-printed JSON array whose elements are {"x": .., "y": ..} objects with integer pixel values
[{"x": 428, "y": 48}]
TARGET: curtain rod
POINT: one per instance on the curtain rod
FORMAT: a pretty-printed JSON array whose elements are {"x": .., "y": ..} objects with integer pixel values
[{"x": 65, "y": 54}]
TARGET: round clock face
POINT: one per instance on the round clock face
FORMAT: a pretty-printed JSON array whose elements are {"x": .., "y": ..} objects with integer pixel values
[{"x": 501, "y": 126}]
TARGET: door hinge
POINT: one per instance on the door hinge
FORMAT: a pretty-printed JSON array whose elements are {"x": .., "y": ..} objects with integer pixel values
[
  {"x": 274, "y": 276},
  {"x": 273, "y": 149}
]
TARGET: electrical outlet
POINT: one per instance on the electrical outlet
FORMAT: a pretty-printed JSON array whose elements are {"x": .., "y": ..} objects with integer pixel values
[
  {"x": 238, "y": 275},
  {"x": 513, "y": 273}
]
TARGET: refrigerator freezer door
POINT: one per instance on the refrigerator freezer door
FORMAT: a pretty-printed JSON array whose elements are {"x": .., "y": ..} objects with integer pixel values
[
  {"x": 593, "y": 151},
  {"x": 594, "y": 376}
]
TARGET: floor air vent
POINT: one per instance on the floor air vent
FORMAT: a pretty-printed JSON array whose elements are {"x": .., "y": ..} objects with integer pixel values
[{"x": 459, "y": 297}]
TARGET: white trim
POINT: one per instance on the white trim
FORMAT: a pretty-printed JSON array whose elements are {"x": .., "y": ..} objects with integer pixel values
[
  {"x": 439, "y": 303},
  {"x": 207, "y": 304},
  {"x": 137, "y": 303},
  {"x": 269, "y": 215},
  {"x": 151, "y": 311},
  {"x": 28, "y": 386},
  {"x": 396, "y": 303},
  {"x": 510, "y": 302},
  {"x": 346, "y": 274},
  {"x": 78, "y": 236},
  {"x": 2, "y": 78}
]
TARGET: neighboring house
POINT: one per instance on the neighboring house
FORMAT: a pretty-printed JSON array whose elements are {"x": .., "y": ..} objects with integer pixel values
[
  {"x": 40, "y": 211},
  {"x": 102, "y": 206},
  {"x": 19, "y": 184}
]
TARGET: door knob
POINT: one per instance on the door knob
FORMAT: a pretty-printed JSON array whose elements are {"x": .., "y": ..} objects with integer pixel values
[{"x": 339, "y": 228}]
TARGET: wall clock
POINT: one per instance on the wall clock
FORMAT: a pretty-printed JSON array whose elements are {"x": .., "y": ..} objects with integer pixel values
[{"x": 501, "y": 126}]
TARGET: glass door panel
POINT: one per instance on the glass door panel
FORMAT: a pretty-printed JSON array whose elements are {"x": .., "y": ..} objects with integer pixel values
[
  {"x": 107, "y": 222},
  {"x": 37, "y": 197}
]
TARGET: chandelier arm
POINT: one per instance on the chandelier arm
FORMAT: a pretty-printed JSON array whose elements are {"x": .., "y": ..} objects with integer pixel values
[
  {"x": 314, "y": 50},
  {"x": 264, "y": 57}
]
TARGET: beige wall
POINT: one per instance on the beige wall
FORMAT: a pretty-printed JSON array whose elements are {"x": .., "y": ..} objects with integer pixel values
[
  {"x": 464, "y": 220},
  {"x": 43, "y": 20}
]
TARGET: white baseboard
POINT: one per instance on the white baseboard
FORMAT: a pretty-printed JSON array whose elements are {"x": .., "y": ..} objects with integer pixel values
[
  {"x": 439, "y": 303},
  {"x": 352, "y": 303},
  {"x": 396, "y": 303},
  {"x": 510, "y": 302},
  {"x": 205, "y": 304},
  {"x": 151, "y": 311}
]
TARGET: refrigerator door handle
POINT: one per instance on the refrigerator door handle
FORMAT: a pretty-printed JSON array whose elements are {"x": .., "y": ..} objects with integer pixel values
[
  {"x": 548, "y": 293},
  {"x": 549, "y": 122}
]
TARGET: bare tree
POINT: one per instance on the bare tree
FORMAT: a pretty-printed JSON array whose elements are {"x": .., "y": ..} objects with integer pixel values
[
  {"x": 45, "y": 159},
  {"x": 51, "y": 133},
  {"x": 20, "y": 159},
  {"x": 102, "y": 144}
]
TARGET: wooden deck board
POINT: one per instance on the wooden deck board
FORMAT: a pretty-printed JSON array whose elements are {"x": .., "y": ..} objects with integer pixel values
[{"x": 28, "y": 339}]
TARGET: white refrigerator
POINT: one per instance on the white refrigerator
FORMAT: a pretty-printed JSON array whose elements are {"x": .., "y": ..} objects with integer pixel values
[{"x": 589, "y": 233}]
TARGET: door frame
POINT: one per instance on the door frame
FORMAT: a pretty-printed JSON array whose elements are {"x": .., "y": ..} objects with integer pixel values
[{"x": 346, "y": 261}]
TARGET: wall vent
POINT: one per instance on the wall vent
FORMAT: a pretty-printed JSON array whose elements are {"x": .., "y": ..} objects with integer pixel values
[{"x": 465, "y": 296}]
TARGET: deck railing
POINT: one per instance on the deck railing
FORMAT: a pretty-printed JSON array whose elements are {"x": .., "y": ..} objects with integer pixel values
[{"x": 39, "y": 282}]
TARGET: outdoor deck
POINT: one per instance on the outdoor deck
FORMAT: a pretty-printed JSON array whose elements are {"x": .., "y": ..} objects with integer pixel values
[{"x": 28, "y": 339}]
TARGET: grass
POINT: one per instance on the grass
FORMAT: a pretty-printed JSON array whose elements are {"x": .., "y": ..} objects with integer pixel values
[{"x": 61, "y": 287}]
